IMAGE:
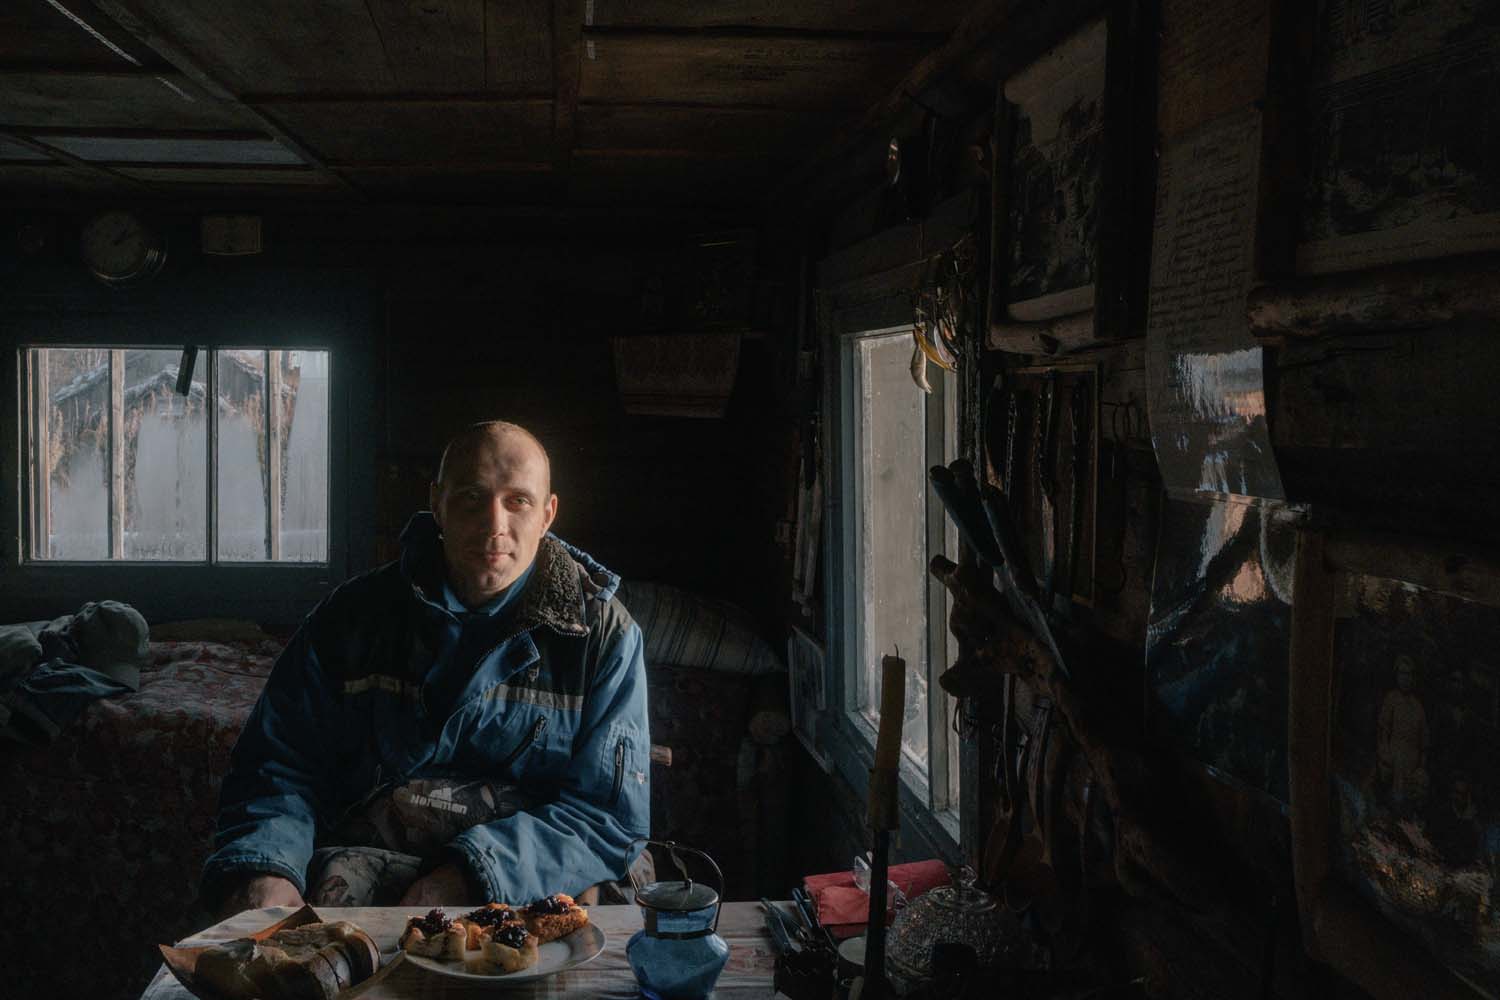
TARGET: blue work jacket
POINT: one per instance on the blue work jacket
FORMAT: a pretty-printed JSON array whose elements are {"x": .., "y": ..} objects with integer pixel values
[{"x": 383, "y": 684}]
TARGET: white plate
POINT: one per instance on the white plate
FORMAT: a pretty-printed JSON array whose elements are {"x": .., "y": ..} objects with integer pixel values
[{"x": 583, "y": 945}]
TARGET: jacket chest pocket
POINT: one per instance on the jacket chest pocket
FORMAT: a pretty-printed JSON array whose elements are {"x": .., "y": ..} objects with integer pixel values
[
  {"x": 502, "y": 745},
  {"x": 623, "y": 763}
]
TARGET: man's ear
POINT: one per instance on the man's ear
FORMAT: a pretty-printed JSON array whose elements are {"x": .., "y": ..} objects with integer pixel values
[{"x": 551, "y": 510}]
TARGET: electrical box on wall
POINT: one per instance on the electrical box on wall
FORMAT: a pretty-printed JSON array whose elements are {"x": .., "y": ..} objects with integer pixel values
[{"x": 230, "y": 235}]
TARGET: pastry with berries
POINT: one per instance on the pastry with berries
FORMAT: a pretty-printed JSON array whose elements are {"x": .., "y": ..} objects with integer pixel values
[
  {"x": 553, "y": 917},
  {"x": 504, "y": 948},
  {"x": 434, "y": 936},
  {"x": 476, "y": 922}
]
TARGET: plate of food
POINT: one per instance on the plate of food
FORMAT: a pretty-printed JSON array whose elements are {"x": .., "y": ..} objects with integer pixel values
[{"x": 498, "y": 943}]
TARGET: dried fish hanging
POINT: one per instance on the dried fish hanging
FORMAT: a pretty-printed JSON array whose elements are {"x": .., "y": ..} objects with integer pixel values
[{"x": 940, "y": 310}]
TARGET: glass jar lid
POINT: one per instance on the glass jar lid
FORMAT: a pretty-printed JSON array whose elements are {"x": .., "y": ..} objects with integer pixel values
[{"x": 677, "y": 896}]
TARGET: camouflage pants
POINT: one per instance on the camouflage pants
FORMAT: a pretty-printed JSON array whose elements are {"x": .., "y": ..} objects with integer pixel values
[{"x": 360, "y": 876}]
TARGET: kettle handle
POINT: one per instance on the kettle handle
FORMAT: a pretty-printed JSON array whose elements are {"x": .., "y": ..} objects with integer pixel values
[{"x": 672, "y": 848}]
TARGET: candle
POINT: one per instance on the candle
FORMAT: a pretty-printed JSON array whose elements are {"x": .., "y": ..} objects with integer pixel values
[{"x": 892, "y": 710}]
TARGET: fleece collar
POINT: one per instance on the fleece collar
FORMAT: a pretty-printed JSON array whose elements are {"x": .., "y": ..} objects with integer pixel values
[{"x": 552, "y": 595}]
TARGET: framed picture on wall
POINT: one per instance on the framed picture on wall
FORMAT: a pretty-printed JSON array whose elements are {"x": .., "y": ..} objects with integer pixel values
[
  {"x": 1395, "y": 728},
  {"x": 1396, "y": 165},
  {"x": 1071, "y": 151},
  {"x": 804, "y": 657}
]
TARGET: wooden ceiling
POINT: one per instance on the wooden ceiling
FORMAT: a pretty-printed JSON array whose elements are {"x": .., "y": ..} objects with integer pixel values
[{"x": 638, "y": 103}]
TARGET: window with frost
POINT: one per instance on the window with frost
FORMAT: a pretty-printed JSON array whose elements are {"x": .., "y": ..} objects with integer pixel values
[
  {"x": 122, "y": 466},
  {"x": 893, "y": 432}
]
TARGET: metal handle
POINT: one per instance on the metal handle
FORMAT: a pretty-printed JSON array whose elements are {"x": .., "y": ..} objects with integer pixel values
[{"x": 672, "y": 848}]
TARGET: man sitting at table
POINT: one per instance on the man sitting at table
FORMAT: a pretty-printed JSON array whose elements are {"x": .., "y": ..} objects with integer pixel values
[{"x": 465, "y": 724}]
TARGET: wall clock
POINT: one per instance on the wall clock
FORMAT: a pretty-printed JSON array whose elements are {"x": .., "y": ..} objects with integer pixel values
[{"x": 120, "y": 249}]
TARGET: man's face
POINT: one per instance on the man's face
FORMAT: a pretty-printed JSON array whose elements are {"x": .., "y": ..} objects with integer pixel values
[{"x": 493, "y": 507}]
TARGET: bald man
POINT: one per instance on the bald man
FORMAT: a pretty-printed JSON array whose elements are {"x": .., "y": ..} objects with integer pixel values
[{"x": 464, "y": 725}]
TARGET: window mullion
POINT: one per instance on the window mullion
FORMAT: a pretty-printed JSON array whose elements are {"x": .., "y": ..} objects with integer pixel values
[
  {"x": 273, "y": 453},
  {"x": 937, "y": 745},
  {"x": 211, "y": 416},
  {"x": 117, "y": 454},
  {"x": 40, "y": 454}
]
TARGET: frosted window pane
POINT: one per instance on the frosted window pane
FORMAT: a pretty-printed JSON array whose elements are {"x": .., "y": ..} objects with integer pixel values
[
  {"x": 71, "y": 503},
  {"x": 241, "y": 473},
  {"x": 166, "y": 440},
  {"x": 892, "y": 529},
  {"x": 304, "y": 497}
]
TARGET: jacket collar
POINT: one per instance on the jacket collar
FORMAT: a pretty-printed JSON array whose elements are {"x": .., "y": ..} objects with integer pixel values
[{"x": 554, "y": 592}]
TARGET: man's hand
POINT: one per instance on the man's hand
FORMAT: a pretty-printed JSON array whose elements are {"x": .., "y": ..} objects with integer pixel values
[
  {"x": 260, "y": 890},
  {"x": 443, "y": 885}
]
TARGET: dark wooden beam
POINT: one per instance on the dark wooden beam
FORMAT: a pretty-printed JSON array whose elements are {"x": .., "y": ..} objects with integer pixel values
[
  {"x": 767, "y": 34},
  {"x": 154, "y": 38},
  {"x": 567, "y": 74},
  {"x": 270, "y": 100}
]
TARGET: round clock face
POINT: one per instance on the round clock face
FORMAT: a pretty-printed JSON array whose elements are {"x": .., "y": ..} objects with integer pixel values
[{"x": 118, "y": 248}]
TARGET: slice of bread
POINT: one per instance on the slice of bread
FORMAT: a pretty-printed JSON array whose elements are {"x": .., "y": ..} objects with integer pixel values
[
  {"x": 505, "y": 948},
  {"x": 554, "y": 917},
  {"x": 311, "y": 962}
]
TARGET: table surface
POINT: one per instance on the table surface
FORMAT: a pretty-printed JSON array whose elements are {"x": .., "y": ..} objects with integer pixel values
[{"x": 748, "y": 973}]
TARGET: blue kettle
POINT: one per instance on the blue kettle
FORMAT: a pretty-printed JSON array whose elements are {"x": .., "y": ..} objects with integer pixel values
[{"x": 678, "y": 954}]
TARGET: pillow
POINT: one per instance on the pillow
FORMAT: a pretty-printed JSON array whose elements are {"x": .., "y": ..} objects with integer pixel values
[{"x": 685, "y": 630}]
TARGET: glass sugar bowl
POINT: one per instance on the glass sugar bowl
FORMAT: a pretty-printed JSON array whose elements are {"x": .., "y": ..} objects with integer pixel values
[{"x": 960, "y": 913}]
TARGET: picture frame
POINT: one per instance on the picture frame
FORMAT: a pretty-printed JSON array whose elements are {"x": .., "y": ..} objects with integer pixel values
[
  {"x": 1390, "y": 170},
  {"x": 1394, "y": 710},
  {"x": 1071, "y": 188},
  {"x": 809, "y": 691}
]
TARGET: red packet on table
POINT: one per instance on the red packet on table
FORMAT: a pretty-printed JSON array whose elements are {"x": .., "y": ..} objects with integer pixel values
[{"x": 843, "y": 908}]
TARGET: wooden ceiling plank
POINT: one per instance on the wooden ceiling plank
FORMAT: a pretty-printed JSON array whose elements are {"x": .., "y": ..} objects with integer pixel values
[
  {"x": 436, "y": 44},
  {"x": 407, "y": 97},
  {"x": 518, "y": 56},
  {"x": 268, "y": 44},
  {"x": 804, "y": 73},
  {"x": 713, "y": 130},
  {"x": 90, "y": 101},
  {"x": 831, "y": 15},
  {"x": 104, "y": 34},
  {"x": 412, "y": 131},
  {"x": 155, "y": 38},
  {"x": 186, "y": 149}
]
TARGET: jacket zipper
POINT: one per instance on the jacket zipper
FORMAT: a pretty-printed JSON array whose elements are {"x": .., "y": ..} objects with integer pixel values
[
  {"x": 537, "y": 728},
  {"x": 614, "y": 797}
]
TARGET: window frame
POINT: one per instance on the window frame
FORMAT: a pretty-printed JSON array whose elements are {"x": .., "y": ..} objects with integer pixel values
[
  {"x": 848, "y": 737},
  {"x": 271, "y": 308},
  {"x": 206, "y": 365}
]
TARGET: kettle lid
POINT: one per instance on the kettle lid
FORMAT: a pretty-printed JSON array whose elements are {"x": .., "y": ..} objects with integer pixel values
[{"x": 678, "y": 895}]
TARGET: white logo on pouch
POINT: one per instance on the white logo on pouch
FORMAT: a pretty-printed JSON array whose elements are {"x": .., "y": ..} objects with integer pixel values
[{"x": 440, "y": 799}]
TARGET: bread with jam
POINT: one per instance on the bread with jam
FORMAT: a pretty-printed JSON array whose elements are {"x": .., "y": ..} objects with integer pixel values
[
  {"x": 505, "y": 948},
  {"x": 553, "y": 917},
  {"x": 434, "y": 936}
]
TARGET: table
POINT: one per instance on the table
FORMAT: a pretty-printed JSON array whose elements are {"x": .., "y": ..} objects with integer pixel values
[{"x": 748, "y": 973}]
